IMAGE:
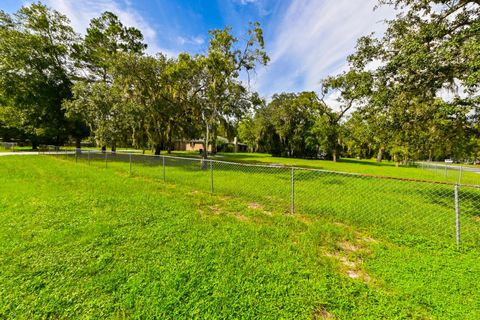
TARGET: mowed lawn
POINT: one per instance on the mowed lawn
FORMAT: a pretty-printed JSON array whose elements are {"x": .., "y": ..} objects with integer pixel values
[
  {"x": 79, "y": 241},
  {"x": 363, "y": 166}
]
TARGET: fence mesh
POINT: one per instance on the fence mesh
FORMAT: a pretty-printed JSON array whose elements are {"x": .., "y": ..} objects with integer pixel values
[
  {"x": 401, "y": 210},
  {"x": 460, "y": 173},
  {"x": 8, "y": 145}
]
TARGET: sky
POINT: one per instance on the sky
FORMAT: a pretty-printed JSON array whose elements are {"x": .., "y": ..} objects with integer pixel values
[{"x": 306, "y": 40}]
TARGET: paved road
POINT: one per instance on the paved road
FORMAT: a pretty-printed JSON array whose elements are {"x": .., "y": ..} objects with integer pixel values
[
  {"x": 34, "y": 153},
  {"x": 18, "y": 153}
]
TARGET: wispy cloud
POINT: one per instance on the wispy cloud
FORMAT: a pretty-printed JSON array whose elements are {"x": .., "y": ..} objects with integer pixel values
[
  {"x": 198, "y": 40},
  {"x": 245, "y": 2},
  {"x": 307, "y": 40},
  {"x": 81, "y": 12},
  {"x": 312, "y": 40}
]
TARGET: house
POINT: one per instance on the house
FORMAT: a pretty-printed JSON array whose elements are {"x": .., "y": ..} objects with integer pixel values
[
  {"x": 191, "y": 145},
  {"x": 223, "y": 145}
]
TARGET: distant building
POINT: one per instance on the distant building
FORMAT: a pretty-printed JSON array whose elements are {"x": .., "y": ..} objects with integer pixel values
[
  {"x": 192, "y": 145},
  {"x": 223, "y": 146}
]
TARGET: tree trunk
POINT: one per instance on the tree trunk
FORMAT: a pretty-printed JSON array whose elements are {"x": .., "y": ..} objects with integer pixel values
[
  {"x": 158, "y": 148},
  {"x": 169, "y": 138},
  {"x": 214, "y": 141},
  {"x": 205, "y": 143},
  {"x": 169, "y": 143},
  {"x": 380, "y": 154},
  {"x": 334, "y": 154},
  {"x": 34, "y": 144},
  {"x": 104, "y": 149},
  {"x": 114, "y": 147},
  {"x": 78, "y": 143},
  {"x": 430, "y": 155}
]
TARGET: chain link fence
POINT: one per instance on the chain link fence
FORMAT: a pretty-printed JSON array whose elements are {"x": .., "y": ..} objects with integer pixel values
[
  {"x": 8, "y": 145},
  {"x": 407, "y": 211},
  {"x": 459, "y": 173}
]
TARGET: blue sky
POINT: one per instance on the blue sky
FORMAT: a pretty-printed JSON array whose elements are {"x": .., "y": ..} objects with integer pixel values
[{"x": 306, "y": 40}]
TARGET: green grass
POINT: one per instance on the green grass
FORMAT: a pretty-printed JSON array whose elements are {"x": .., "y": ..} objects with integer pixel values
[
  {"x": 84, "y": 241},
  {"x": 371, "y": 167},
  {"x": 362, "y": 166},
  {"x": 414, "y": 213}
]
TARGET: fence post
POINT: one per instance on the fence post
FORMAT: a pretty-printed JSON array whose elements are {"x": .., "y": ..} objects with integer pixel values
[
  {"x": 130, "y": 163},
  {"x": 163, "y": 165},
  {"x": 88, "y": 155},
  {"x": 293, "y": 191},
  {"x": 211, "y": 175},
  {"x": 76, "y": 155},
  {"x": 106, "y": 156},
  {"x": 460, "y": 175},
  {"x": 457, "y": 215},
  {"x": 446, "y": 169}
]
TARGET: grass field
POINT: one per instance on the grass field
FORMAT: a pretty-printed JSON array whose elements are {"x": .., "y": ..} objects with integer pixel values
[
  {"x": 385, "y": 168},
  {"x": 84, "y": 241},
  {"x": 401, "y": 211}
]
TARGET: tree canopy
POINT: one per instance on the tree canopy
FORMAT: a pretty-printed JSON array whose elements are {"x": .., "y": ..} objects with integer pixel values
[{"x": 409, "y": 93}]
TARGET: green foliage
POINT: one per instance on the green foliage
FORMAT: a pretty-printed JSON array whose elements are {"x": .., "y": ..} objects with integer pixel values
[
  {"x": 429, "y": 49},
  {"x": 106, "y": 37},
  {"x": 246, "y": 132},
  {"x": 101, "y": 106},
  {"x": 35, "y": 72},
  {"x": 221, "y": 96}
]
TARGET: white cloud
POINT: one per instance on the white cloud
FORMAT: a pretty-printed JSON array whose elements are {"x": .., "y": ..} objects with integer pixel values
[
  {"x": 198, "y": 40},
  {"x": 81, "y": 12},
  {"x": 245, "y": 2},
  {"x": 312, "y": 40}
]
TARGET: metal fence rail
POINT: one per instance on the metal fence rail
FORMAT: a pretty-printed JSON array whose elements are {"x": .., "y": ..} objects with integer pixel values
[{"x": 409, "y": 211}]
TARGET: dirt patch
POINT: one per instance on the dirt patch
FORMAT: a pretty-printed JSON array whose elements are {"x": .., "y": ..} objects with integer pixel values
[
  {"x": 347, "y": 263},
  {"x": 349, "y": 247},
  {"x": 254, "y": 205},
  {"x": 215, "y": 209},
  {"x": 241, "y": 217},
  {"x": 348, "y": 256},
  {"x": 321, "y": 313},
  {"x": 352, "y": 274},
  {"x": 257, "y": 206}
]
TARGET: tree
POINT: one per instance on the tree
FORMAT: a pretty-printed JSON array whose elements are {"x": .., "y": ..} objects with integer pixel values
[
  {"x": 221, "y": 97},
  {"x": 36, "y": 72},
  {"x": 106, "y": 37},
  {"x": 246, "y": 132},
  {"x": 103, "y": 108},
  {"x": 293, "y": 117},
  {"x": 431, "y": 47},
  {"x": 106, "y": 40},
  {"x": 351, "y": 87},
  {"x": 160, "y": 89}
]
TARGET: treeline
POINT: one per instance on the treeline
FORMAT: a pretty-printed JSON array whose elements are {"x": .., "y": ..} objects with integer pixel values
[
  {"x": 56, "y": 85},
  {"x": 412, "y": 93}
]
